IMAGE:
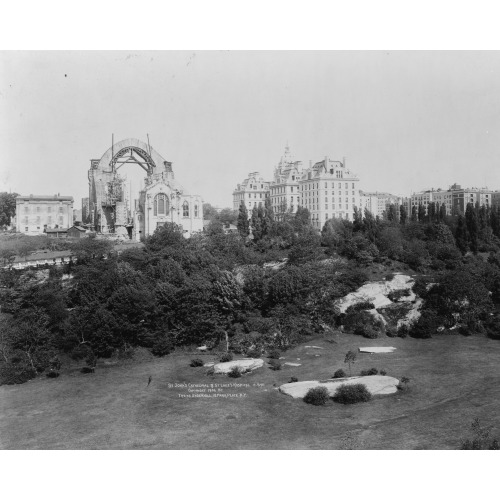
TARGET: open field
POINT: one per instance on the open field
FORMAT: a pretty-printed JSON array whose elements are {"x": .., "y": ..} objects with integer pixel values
[{"x": 453, "y": 380}]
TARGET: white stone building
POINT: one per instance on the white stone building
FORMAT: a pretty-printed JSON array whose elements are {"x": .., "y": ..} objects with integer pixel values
[
  {"x": 329, "y": 190},
  {"x": 253, "y": 191},
  {"x": 284, "y": 190},
  {"x": 36, "y": 213}
]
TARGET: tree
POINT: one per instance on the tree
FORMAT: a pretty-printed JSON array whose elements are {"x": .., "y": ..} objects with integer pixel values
[
  {"x": 243, "y": 224},
  {"x": 350, "y": 359},
  {"x": 471, "y": 221},
  {"x": 209, "y": 212},
  {"x": 421, "y": 212},
  {"x": 461, "y": 234},
  {"x": 403, "y": 214},
  {"x": 29, "y": 334},
  {"x": 256, "y": 222},
  {"x": 414, "y": 214},
  {"x": 169, "y": 234},
  {"x": 7, "y": 208}
]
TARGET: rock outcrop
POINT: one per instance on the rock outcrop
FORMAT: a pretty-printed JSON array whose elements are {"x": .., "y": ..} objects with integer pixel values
[{"x": 376, "y": 384}]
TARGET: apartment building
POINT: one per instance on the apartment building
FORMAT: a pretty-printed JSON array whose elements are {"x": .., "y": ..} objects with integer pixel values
[{"x": 252, "y": 191}]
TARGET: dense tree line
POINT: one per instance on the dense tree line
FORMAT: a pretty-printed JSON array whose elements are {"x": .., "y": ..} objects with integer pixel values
[{"x": 220, "y": 289}]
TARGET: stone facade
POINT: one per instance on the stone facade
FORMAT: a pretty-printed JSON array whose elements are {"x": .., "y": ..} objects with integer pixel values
[
  {"x": 253, "y": 191},
  {"x": 161, "y": 200},
  {"x": 455, "y": 198},
  {"x": 329, "y": 190},
  {"x": 35, "y": 214},
  {"x": 285, "y": 189}
]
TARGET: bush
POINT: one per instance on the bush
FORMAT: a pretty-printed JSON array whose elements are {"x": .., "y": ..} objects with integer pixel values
[
  {"x": 340, "y": 374},
  {"x": 293, "y": 379},
  {"x": 403, "y": 331},
  {"x": 360, "y": 306},
  {"x": 226, "y": 357},
  {"x": 15, "y": 374},
  {"x": 87, "y": 369},
  {"x": 371, "y": 371},
  {"x": 52, "y": 374},
  {"x": 350, "y": 394},
  {"x": 316, "y": 396},
  {"x": 234, "y": 372},
  {"x": 274, "y": 354},
  {"x": 383, "y": 372},
  {"x": 254, "y": 353},
  {"x": 396, "y": 295},
  {"x": 81, "y": 351},
  {"x": 426, "y": 325},
  {"x": 162, "y": 347},
  {"x": 275, "y": 364},
  {"x": 196, "y": 362}
]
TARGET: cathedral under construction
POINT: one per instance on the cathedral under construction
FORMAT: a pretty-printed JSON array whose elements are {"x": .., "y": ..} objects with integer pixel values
[{"x": 161, "y": 200}]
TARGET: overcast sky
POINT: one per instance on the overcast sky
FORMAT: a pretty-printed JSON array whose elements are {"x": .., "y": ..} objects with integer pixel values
[{"x": 405, "y": 121}]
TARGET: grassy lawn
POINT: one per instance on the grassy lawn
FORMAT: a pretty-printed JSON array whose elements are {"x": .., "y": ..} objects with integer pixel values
[{"x": 453, "y": 380}]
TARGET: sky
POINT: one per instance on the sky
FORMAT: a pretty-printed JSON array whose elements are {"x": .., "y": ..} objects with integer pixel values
[{"x": 404, "y": 120}]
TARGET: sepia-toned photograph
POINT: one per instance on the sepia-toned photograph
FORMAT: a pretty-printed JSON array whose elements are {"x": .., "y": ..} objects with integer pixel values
[{"x": 249, "y": 250}]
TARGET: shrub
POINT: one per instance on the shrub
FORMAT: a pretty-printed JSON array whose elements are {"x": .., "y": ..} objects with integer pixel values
[
  {"x": 403, "y": 331},
  {"x": 226, "y": 357},
  {"x": 162, "y": 347},
  {"x": 426, "y": 325},
  {"x": 403, "y": 384},
  {"x": 274, "y": 354},
  {"x": 15, "y": 374},
  {"x": 293, "y": 379},
  {"x": 87, "y": 369},
  {"x": 368, "y": 331},
  {"x": 81, "y": 351},
  {"x": 196, "y": 362},
  {"x": 234, "y": 372},
  {"x": 52, "y": 374},
  {"x": 340, "y": 374},
  {"x": 350, "y": 394},
  {"x": 316, "y": 396},
  {"x": 360, "y": 306},
  {"x": 389, "y": 276},
  {"x": 254, "y": 353},
  {"x": 396, "y": 295},
  {"x": 275, "y": 364},
  {"x": 371, "y": 371},
  {"x": 383, "y": 372}
]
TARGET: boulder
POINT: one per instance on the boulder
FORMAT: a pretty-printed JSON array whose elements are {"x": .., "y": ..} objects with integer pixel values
[
  {"x": 376, "y": 350},
  {"x": 242, "y": 364},
  {"x": 376, "y": 384}
]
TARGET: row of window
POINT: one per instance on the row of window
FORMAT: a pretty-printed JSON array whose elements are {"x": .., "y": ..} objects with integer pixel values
[
  {"x": 161, "y": 206},
  {"x": 39, "y": 209}
]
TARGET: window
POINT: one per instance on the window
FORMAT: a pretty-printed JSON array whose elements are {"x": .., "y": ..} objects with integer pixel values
[
  {"x": 38, "y": 210},
  {"x": 49, "y": 209},
  {"x": 160, "y": 204},
  {"x": 38, "y": 220},
  {"x": 61, "y": 210},
  {"x": 49, "y": 219},
  {"x": 26, "y": 210},
  {"x": 196, "y": 211},
  {"x": 185, "y": 209},
  {"x": 26, "y": 229}
]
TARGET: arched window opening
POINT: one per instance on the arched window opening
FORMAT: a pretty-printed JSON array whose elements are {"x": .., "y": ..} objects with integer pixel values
[
  {"x": 196, "y": 211},
  {"x": 185, "y": 209},
  {"x": 161, "y": 204}
]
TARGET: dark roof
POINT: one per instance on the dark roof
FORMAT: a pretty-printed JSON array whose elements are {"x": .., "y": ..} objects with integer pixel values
[
  {"x": 43, "y": 255},
  {"x": 45, "y": 197},
  {"x": 80, "y": 228},
  {"x": 57, "y": 230}
]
